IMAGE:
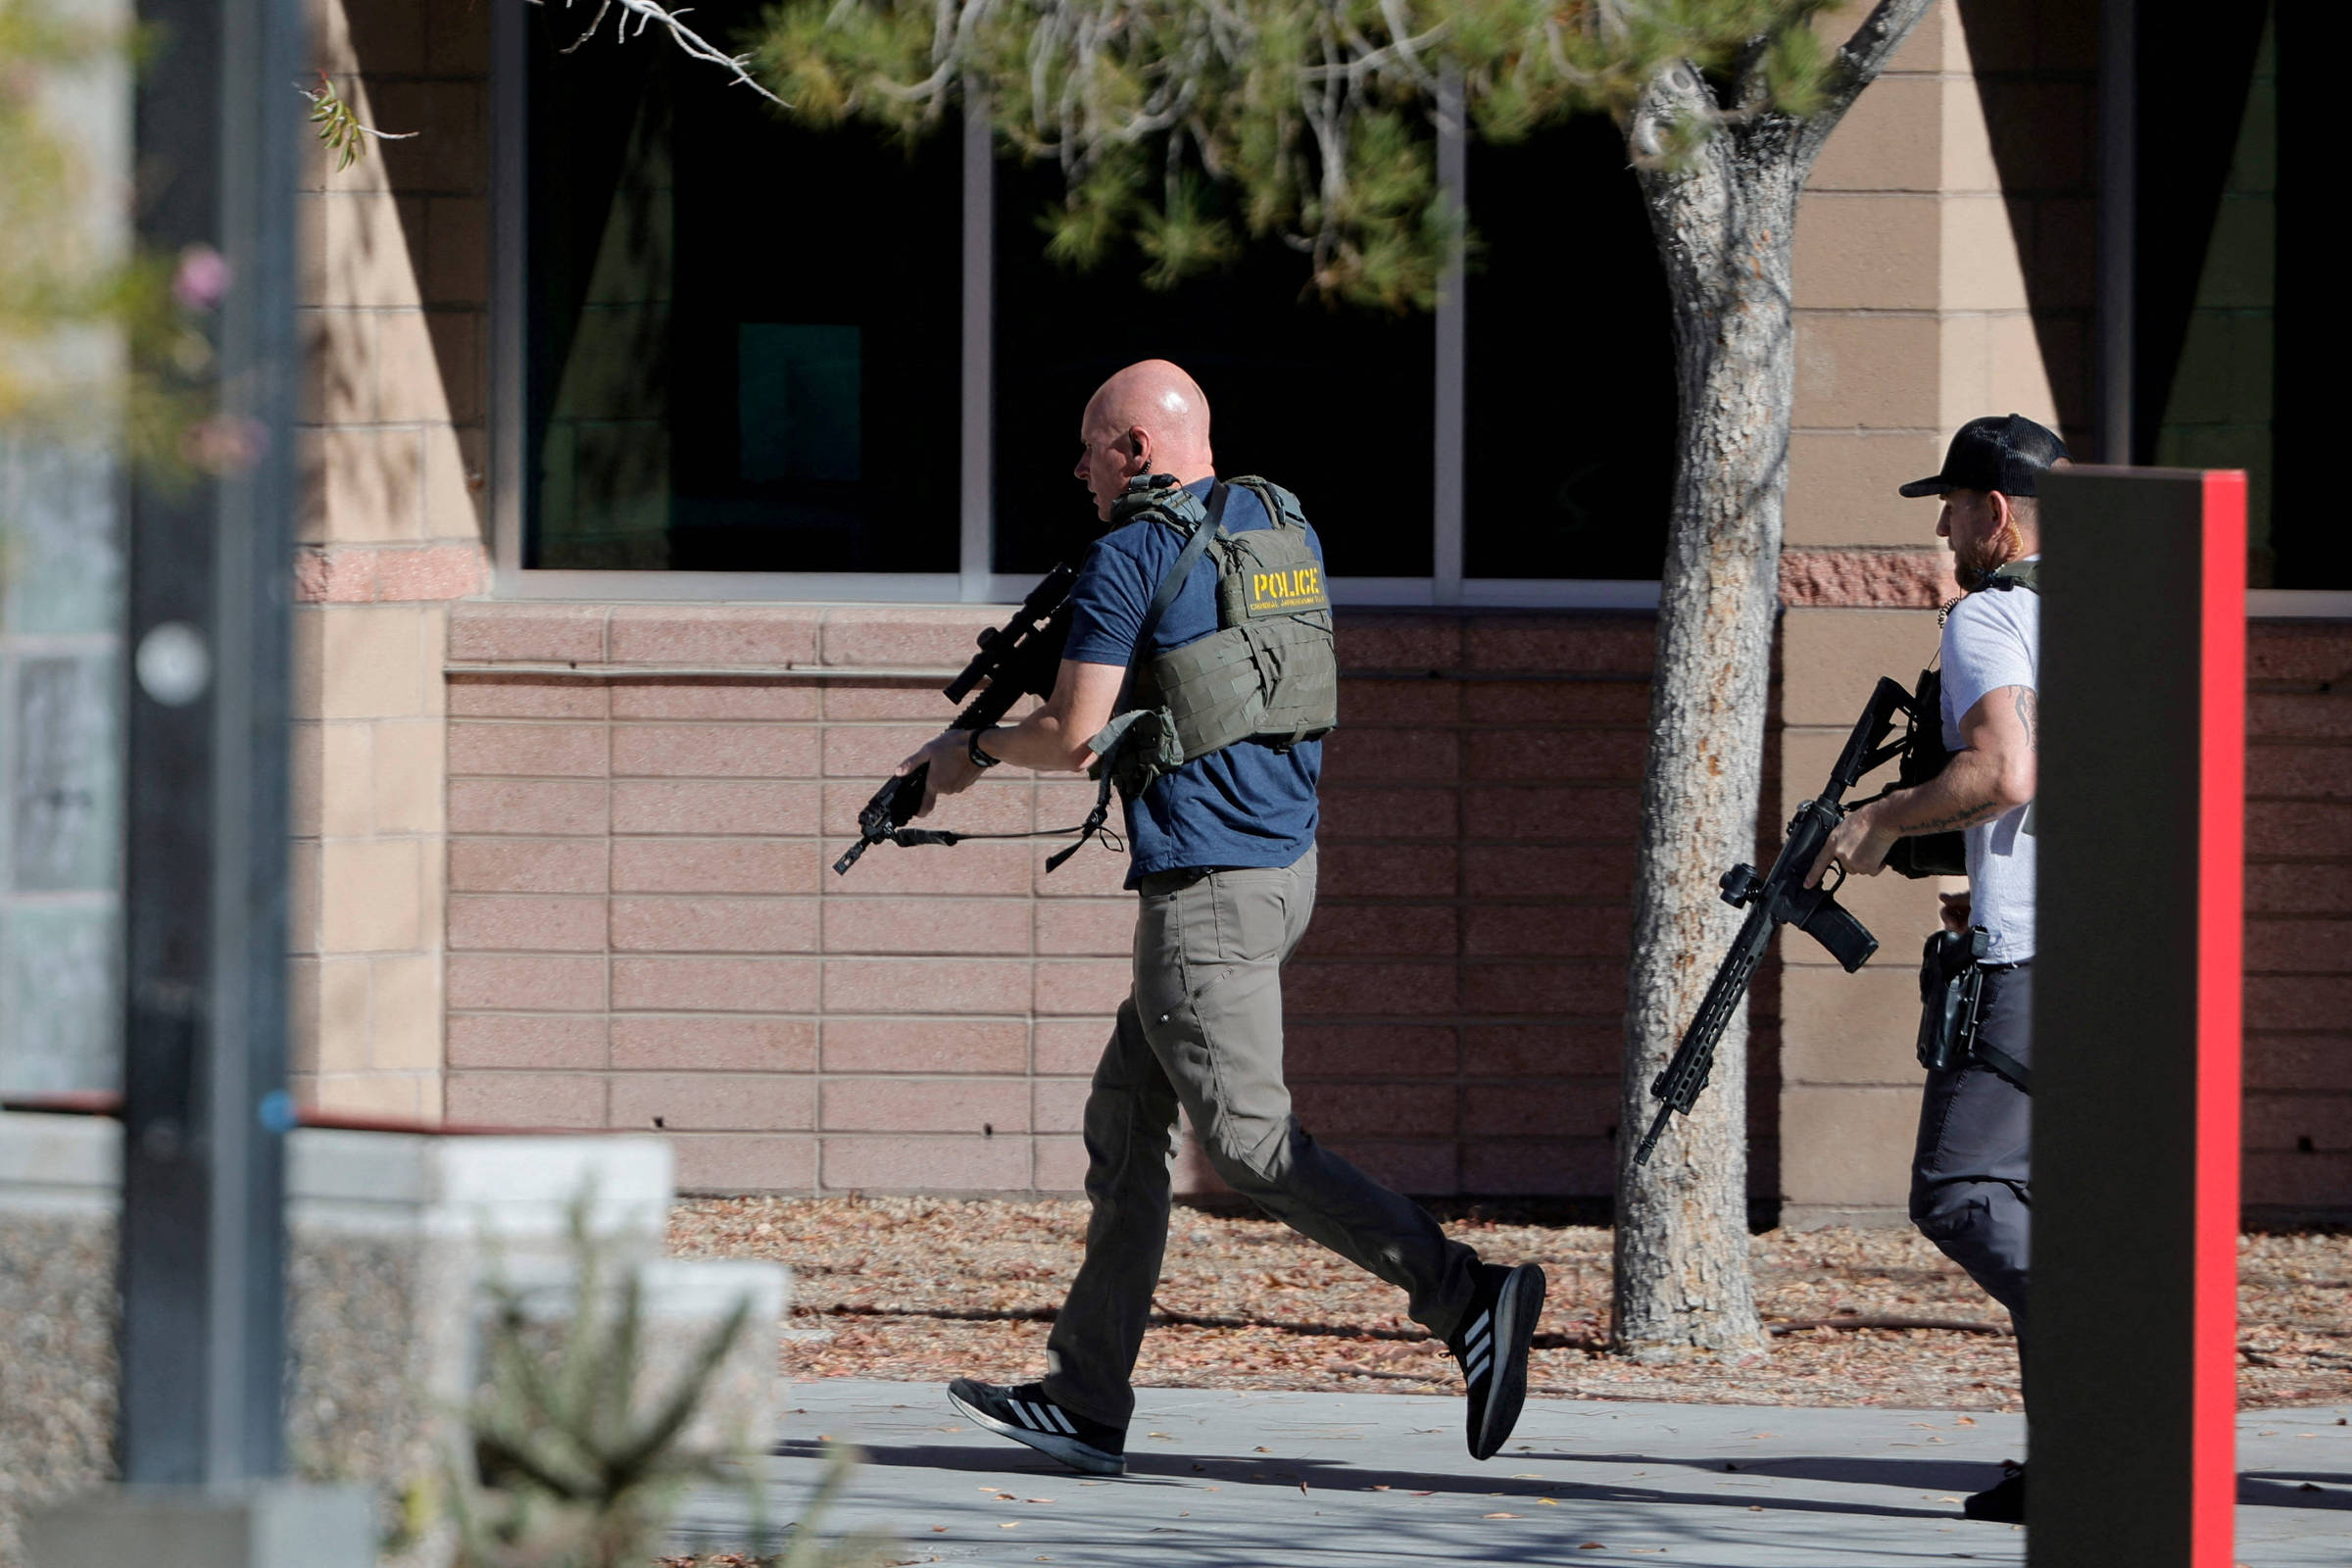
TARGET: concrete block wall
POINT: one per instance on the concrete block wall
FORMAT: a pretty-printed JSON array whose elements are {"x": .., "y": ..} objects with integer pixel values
[
  {"x": 1456, "y": 1011},
  {"x": 1924, "y": 299},
  {"x": 2298, "y": 1065},
  {"x": 644, "y": 931},
  {"x": 394, "y": 292}
]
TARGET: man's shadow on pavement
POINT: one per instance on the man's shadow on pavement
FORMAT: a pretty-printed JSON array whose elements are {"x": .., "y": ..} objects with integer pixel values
[
  {"x": 2292, "y": 1489},
  {"x": 1944, "y": 1476},
  {"x": 1160, "y": 1467}
]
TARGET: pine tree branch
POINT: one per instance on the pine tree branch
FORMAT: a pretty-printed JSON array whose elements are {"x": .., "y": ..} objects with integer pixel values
[{"x": 1314, "y": 113}]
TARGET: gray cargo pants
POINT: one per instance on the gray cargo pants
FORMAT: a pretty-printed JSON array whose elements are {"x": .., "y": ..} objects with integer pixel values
[
  {"x": 1202, "y": 1029},
  {"x": 1971, "y": 1188}
]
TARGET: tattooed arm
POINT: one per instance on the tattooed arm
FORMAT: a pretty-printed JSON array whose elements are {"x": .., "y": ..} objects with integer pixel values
[{"x": 1992, "y": 774}]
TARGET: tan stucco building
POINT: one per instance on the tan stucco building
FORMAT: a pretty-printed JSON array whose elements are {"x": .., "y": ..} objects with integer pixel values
[{"x": 577, "y": 746}]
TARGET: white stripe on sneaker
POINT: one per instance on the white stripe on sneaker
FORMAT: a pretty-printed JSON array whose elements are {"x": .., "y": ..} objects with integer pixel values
[
  {"x": 1029, "y": 1416},
  {"x": 1060, "y": 1420},
  {"x": 1476, "y": 1368}
]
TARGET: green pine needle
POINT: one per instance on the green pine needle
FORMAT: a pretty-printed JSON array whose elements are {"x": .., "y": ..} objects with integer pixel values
[{"x": 1312, "y": 119}]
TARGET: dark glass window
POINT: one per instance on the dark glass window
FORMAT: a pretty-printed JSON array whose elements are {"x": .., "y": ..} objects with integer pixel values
[
  {"x": 1336, "y": 404},
  {"x": 2205, "y": 288},
  {"x": 1568, "y": 452},
  {"x": 2308, "y": 403},
  {"x": 743, "y": 337}
]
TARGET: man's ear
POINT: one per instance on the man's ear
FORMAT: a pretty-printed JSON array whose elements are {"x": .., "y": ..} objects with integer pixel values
[{"x": 1139, "y": 447}]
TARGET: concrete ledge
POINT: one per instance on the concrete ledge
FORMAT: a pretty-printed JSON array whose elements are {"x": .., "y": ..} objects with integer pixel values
[
  {"x": 1823, "y": 1216},
  {"x": 496, "y": 1187},
  {"x": 489, "y": 1188},
  {"x": 66, "y": 1167},
  {"x": 394, "y": 1237},
  {"x": 269, "y": 1525}
]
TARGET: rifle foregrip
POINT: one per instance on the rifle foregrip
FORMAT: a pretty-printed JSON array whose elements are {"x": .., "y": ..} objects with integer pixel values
[{"x": 890, "y": 808}]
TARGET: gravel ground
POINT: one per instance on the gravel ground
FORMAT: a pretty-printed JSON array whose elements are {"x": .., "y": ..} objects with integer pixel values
[
  {"x": 56, "y": 1363},
  {"x": 922, "y": 1290}
]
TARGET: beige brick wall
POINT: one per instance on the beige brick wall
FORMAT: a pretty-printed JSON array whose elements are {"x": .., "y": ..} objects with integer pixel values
[
  {"x": 644, "y": 930},
  {"x": 394, "y": 287},
  {"x": 1919, "y": 307},
  {"x": 2298, "y": 1069}
]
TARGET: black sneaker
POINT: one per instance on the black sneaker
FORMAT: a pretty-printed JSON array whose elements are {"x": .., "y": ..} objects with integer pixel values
[
  {"x": 1025, "y": 1415},
  {"x": 2004, "y": 1504},
  {"x": 1491, "y": 1347}
]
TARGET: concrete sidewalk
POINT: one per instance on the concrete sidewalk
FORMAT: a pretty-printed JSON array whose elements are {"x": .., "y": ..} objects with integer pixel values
[{"x": 1233, "y": 1480}]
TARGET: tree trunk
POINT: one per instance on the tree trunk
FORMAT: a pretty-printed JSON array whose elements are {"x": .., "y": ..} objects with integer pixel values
[
  {"x": 1725, "y": 219},
  {"x": 1723, "y": 227}
]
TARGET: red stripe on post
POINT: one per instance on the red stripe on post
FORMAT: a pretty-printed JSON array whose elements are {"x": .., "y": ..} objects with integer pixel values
[{"x": 2221, "y": 927}]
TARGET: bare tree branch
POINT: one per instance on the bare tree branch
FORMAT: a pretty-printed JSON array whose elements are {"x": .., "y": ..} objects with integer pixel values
[
  {"x": 693, "y": 44},
  {"x": 1859, "y": 61}
]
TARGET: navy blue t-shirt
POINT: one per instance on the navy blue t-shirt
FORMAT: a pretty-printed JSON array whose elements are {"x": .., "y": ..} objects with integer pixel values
[{"x": 1247, "y": 805}]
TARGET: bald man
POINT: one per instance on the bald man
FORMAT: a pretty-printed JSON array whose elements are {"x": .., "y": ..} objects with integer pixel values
[{"x": 1223, "y": 863}]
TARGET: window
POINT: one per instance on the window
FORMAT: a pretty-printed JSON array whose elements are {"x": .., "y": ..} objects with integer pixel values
[
  {"x": 1336, "y": 404},
  {"x": 744, "y": 336},
  {"x": 2238, "y": 331},
  {"x": 1569, "y": 413},
  {"x": 753, "y": 360}
]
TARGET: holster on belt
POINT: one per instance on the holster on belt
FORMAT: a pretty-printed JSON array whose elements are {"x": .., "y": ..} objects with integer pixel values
[{"x": 1951, "y": 990}]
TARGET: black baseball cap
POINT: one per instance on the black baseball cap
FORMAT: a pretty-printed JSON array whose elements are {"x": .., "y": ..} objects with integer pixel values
[{"x": 2004, "y": 452}]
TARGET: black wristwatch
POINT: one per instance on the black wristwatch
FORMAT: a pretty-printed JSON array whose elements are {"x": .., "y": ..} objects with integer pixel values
[{"x": 980, "y": 758}]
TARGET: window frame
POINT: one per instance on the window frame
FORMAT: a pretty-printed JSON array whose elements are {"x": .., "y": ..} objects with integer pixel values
[{"x": 975, "y": 581}]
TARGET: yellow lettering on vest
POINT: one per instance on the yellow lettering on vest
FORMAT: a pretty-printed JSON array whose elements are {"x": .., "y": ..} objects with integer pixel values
[{"x": 1285, "y": 591}]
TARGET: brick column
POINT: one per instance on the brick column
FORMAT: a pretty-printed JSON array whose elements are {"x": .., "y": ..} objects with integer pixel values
[
  {"x": 1924, "y": 298},
  {"x": 394, "y": 292}
]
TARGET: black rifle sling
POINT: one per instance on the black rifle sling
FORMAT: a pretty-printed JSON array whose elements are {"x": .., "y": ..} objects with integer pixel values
[
  {"x": 1179, "y": 572},
  {"x": 2007, "y": 1067}
]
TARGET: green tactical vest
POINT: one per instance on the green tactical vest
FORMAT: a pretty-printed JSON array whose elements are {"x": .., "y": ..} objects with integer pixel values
[{"x": 1268, "y": 674}]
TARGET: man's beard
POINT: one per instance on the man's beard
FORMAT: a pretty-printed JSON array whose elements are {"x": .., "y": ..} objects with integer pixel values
[{"x": 1973, "y": 564}]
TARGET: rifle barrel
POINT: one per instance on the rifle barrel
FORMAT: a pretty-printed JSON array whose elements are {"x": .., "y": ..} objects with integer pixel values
[{"x": 1685, "y": 1073}]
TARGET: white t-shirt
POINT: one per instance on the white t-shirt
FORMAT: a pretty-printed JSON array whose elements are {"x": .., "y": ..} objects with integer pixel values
[{"x": 1993, "y": 639}]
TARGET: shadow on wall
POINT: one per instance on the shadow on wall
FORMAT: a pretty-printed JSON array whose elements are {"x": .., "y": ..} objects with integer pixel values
[
  {"x": 2037, "y": 68},
  {"x": 410, "y": 227}
]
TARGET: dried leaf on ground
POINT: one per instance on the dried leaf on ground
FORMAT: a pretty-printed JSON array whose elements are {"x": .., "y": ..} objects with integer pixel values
[{"x": 922, "y": 1290}]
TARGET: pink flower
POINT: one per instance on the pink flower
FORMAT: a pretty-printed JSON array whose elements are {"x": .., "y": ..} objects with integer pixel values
[
  {"x": 201, "y": 279},
  {"x": 223, "y": 444}
]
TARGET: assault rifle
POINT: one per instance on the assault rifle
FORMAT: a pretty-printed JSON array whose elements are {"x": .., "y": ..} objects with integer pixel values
[
  {"x": 1018, "y": 660},
  {"x": 1779, "y": 898}
]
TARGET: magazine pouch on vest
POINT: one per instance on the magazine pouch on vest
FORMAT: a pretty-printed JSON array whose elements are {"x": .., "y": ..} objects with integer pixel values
[
  {"x": 1268, "y": 674},
  {"x": 1924, "y": 755}
]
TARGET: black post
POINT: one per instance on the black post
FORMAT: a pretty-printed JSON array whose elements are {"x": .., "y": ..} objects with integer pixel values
[
  {"x": 203, "y": 1336},
  {"x": 2131, "y": 1378}
]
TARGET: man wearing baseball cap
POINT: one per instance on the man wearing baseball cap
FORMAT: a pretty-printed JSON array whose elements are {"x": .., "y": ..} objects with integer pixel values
[{"x": 1970, "y": 1184}]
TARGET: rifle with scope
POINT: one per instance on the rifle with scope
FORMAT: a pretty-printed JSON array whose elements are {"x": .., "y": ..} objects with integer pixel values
[
  {"x": 1020, "y": 658},
  {"x": 1776, "y": 898}
]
